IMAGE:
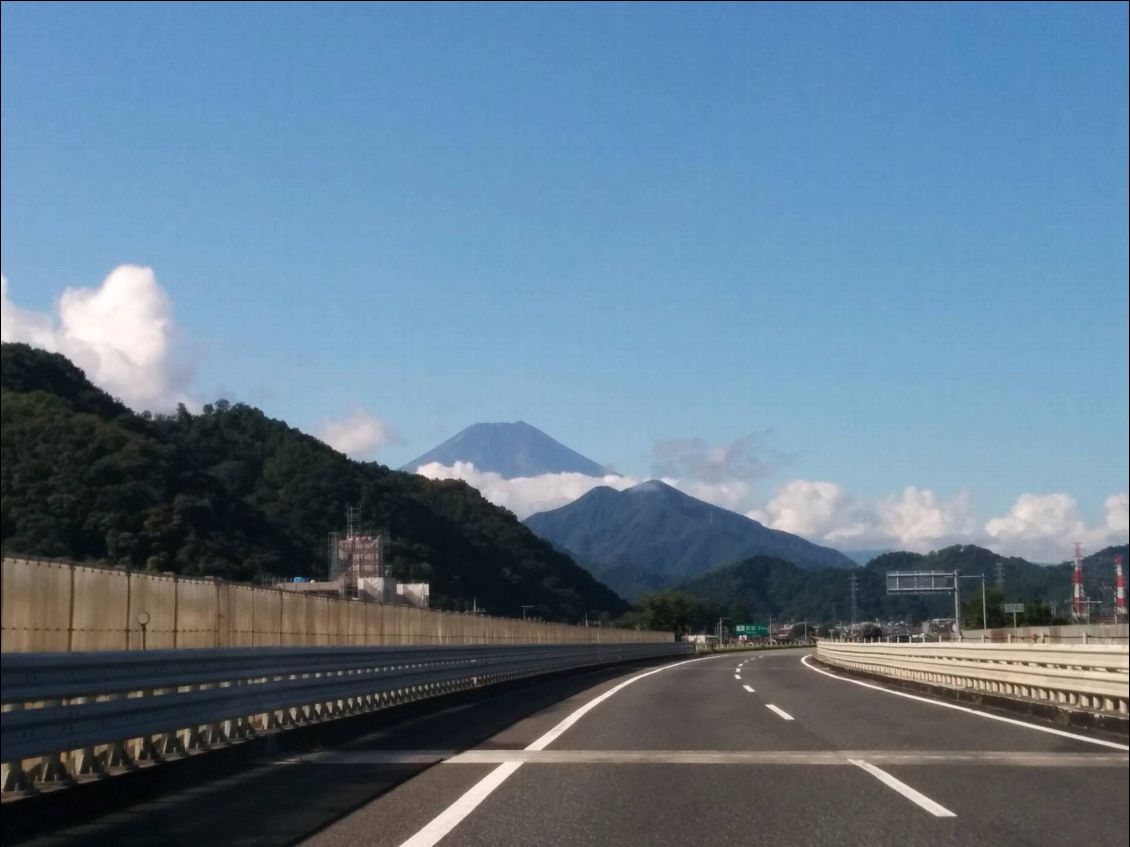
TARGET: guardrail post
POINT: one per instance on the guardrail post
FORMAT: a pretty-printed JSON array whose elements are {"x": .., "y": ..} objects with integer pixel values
[
  {"x": 88, "y": 763},
  {"x": 12, "y": 775},
  {"x": 51, "y": 770},
  {"x": 13, "y": 778},
  {"x": 215, "y": 736}
]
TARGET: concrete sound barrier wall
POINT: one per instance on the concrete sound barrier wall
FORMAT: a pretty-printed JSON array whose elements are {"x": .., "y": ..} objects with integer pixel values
[{"x": 59, "y": 606}]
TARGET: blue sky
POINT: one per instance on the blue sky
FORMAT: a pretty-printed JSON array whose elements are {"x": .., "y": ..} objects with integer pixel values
[{"x": 891, "y": 239}]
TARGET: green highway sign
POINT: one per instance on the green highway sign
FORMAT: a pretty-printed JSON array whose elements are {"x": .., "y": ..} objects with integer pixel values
[
  {"x": 757, "y": 630},
  {"x": 1014, "y": 608}
]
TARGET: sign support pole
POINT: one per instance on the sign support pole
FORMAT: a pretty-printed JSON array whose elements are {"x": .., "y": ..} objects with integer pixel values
[{"x": 956, "y": 607}]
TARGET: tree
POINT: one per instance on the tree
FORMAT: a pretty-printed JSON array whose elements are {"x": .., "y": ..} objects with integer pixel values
[{"x": 670, "y": 611}]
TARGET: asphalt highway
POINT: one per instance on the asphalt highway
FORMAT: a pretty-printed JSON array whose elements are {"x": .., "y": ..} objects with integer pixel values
[{"x": 733, "y": 749}]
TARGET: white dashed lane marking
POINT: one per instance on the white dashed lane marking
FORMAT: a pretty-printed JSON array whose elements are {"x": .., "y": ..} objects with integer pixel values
[{"x": 779, "y": 711}]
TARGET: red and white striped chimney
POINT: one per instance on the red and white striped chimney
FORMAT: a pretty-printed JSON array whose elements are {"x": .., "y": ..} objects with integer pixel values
[
  {"x": 1119, "y": 588},
  {"x": 1078, "y": 604}
]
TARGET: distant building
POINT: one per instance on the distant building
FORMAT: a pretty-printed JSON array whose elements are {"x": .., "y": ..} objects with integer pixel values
[{"x": 357, "y": 568}]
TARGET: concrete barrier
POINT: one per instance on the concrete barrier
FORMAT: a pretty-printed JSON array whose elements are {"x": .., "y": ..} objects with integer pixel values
[
  {"x": 1066, "y": 634},
  {"x": 1091, "y": 677},
  {"x": 58, "y": 606}
]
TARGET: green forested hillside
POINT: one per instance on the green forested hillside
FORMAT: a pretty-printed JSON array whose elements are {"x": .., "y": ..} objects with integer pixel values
[{"x": 233, "y": 493}]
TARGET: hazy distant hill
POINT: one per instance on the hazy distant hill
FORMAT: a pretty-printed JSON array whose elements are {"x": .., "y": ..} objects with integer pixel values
[
  {"x": 233, "y": 493},
  {"x": 509, "y": 449},
  {"x": 862, "y": 557},
  {"x": 654, "y": 536}
]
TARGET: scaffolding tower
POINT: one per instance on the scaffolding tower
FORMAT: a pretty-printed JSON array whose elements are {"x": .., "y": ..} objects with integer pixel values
[{"x": 357, "y": 555}]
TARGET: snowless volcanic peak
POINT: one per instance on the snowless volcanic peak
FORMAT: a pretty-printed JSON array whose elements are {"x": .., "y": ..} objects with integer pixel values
[{"x": 510, "y": 450}]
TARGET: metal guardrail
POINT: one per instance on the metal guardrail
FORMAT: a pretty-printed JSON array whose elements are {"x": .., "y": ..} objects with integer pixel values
[
  {"x": 1093, "y": 676},
  {"x": 93, "y": 713}
]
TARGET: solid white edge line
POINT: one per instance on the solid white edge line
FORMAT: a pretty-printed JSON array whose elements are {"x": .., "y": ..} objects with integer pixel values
[
  {"x": 916, "y": 797},
  {"x": 779, "y": 711},
  {"x": 747, "y": 688},
  {"x": 553, "y": 734},
  {"x": 450, "y": 817},
  {"x": 1051, "y": 731}
]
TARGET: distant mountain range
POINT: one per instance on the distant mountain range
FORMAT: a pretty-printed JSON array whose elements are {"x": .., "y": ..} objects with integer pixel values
[
  {"x": 761, "y": 587},
  {"x": 654, "y": 536},
  {"x": 510, "y": 450}
]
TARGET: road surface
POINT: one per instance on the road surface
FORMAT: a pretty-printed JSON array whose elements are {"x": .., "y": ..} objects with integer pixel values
[{"x": 734, "y": 749}]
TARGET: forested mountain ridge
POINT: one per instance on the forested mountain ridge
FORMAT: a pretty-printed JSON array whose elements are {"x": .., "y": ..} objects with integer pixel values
[
  {"x": 233, "y": 493},
  {"x": 655, "y": 536}
]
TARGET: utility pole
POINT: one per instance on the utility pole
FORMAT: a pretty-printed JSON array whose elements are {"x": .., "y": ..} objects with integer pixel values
[
  {"x": 984, "y": 611},
  {"x": 1077, "y": 600},
  {"x": 853, "y": 581},
  {"x": 956, "y": 606}
]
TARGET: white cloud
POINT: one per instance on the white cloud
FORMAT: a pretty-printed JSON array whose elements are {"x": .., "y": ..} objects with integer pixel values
[
  {"x": 816, "y": 510},
  {"x": 525, "y": 496},
  {"x": 1037, "y": 516},
  {"x": 1118, "y": 514},
  {"x": 733, "y": 494},
  {"x": 120, "y": 333},
  {"x": 359, "y": 434},
  {"x": 1038, "y": 527},
  {"x": 919, "y": 520},
  {"x": 915, "y": 519},
  {"x": 743, "y": 460},
  {"x": 1044, "y": 527}
]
